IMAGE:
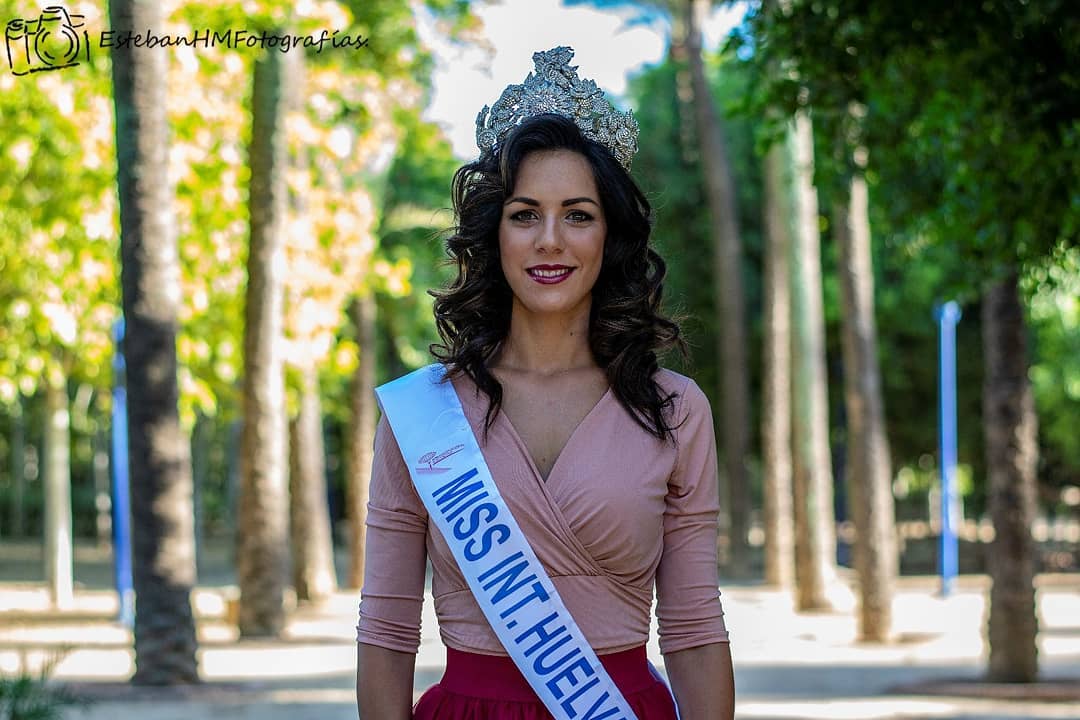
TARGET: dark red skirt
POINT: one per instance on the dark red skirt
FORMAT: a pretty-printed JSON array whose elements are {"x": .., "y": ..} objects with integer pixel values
[{"x": 485, "y": 687}]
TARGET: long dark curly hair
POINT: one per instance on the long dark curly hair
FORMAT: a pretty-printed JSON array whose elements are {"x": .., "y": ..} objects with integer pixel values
[{"x": 626, "y": 327}]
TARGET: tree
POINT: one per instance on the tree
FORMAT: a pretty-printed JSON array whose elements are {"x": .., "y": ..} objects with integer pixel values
[
  {"x": 416, "y": 195},
  {"x": 313, "y": 574},
  {"x": 815, "y": 535},
  {"x": 728, "y": 284},
  {"x": 160, "y": 465},
  {"x": 1011, "y": 427},
  {"x": 361, "y": 433},
  {"x": 869, "y": 476},
  {"x": 399, "y": 79},
  {"x": 57, "y": 477},
  {"x": 986, "y": 134},
  {"x": 776, "y": 448},
  {"x": 60, "y": 292},
  {"x": 776, "y": 376},
  {"x": 262, "y": 545}
]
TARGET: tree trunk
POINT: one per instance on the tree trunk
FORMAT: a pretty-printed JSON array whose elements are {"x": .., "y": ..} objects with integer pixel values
[
  {"x": 201, "y": 439},
  {"x": 57, "y": 485},
  {"x": 727, "y": 259},
  {"x": 815, "y": 525},
  {"x": 159, "y": 455},
  {"x": 309, "y": 513},
  {"x": 1011, "y": 428},
  {"x": 18, "y": 469},
  {"x": 868, "y": 462},
  {"x": 361, "y": 438},
  {"x": 684, "y": 91},
  {"x": 262, "y": 547},
  {"x": 102, "y": 491},
  {"x": 776, "y": 381}
]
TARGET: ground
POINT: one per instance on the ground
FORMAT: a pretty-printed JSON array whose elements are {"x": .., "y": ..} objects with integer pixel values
[{"x": 788, "y": 666}]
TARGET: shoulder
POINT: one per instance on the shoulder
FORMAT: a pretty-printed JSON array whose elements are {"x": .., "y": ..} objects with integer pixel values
[
  {"x": 671, "y": 381},
  {"x": 690, "y": 399}
]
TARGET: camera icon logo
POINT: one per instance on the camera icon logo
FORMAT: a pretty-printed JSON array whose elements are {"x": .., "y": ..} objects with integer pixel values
[{"x": 52, "y": 42}]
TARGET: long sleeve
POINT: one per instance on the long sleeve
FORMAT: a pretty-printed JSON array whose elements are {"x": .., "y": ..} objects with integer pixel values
[
  {"x": 395, "y": 555},
  {"x": 688, "y": 610}
]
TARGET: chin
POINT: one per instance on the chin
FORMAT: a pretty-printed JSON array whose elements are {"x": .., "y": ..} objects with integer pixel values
[{"x": 554, "y": 306}]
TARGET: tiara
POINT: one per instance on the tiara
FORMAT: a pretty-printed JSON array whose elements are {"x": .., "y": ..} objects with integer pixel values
[{"x": 556, "y": 88}]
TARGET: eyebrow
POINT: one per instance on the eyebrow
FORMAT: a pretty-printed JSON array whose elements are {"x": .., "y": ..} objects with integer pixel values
[{"x": 565, "y": 203}]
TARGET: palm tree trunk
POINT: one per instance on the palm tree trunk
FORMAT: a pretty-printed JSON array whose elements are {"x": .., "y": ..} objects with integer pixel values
[
  {"x": 57, "y": 483},
  {"x": 868, "y": 463},
  {"x": 158, "y": 451},
  {"x": 262, "y": 547},
  {"x": 727, "y": 258},
  {"x": 776, "y": 390},
  {"x": 309, "y": 513},
  {"x": 1011, "y": 429},
  {"x": 815, "y": 525},
  {"x": 361, "y": 438}
]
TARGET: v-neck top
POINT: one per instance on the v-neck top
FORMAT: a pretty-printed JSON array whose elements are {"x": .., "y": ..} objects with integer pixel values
[
  {"x": 525, "y": 447},
  {"x": 620, "y": 512}
]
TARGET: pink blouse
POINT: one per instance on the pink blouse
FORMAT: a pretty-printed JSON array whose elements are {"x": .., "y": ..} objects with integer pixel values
[{"x": 619, "y": 511}]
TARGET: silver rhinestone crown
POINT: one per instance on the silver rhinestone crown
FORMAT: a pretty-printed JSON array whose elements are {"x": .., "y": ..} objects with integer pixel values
[{"x": 556, "y": 88}]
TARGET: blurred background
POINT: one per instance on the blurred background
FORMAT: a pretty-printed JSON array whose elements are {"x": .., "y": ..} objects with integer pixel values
[{"x": 213, "y": 249}]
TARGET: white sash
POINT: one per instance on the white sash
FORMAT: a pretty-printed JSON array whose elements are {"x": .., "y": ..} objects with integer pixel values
[{"x": 508, "y": 581}]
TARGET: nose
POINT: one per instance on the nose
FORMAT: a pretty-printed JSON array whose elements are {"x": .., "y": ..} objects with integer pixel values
[{"x": 549, "y": 236}]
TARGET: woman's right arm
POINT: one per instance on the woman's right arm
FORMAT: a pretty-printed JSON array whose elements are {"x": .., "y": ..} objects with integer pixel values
[
  {"x": 384, "y": 683},
  {"x": 395, "y": 558}
]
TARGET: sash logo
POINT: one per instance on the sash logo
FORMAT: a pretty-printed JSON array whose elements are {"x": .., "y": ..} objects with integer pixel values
[{"x": 432, "y": 459}]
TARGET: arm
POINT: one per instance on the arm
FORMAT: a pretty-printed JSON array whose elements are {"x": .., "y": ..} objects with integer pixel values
[
  {"x": 384, "y": 683},
  {"x": 395, "y": 556},
  {"x": 693, "y": 637},
  {"x": 703, "y": 682}
]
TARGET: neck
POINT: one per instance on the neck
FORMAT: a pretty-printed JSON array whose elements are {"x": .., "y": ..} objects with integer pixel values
[{"x": 547, "y": 344}]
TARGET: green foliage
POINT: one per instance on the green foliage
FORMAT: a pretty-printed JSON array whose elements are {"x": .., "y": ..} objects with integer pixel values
[
  {"x": 57, "y": 226},
  {"x": 974, "y": 134},
  {"x": 59, "y": 231},
  {"x": 27, "y": 696},
  {"x": 1054, "y": 316},
  {"x": 343, "y": 131},
  {"x": 971, "y": 122},
  {"x": 669, "y": 170},
  {"x": 417, "y": 216}
]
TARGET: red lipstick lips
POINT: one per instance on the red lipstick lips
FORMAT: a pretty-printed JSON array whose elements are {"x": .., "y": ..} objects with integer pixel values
[{"x": 549, "y": 274}]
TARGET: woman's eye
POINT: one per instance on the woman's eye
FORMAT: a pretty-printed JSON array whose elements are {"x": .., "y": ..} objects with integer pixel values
[
  {"x": 578, "y": 216},
  {"x": 523, "y": 216}
]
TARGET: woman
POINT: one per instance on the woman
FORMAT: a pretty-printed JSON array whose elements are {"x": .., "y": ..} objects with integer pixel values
[{"x": 607, "y": 462}]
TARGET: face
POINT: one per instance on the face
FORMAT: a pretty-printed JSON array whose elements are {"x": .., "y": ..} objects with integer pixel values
[{"x": 551, "y": 236}]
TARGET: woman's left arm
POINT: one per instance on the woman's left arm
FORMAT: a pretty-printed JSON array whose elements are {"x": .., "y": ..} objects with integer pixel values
[
  {"x": 703, "y": 682},
  {"x": 693, "y": 636}
]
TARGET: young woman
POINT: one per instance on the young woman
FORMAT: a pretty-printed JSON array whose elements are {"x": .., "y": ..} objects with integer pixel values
[{"x": 606, "y": 461}]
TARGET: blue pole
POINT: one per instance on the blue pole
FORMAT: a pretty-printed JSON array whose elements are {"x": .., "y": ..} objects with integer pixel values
[
  {"x": 947, "y": 316},
  {"x": 121, "y": 504}
]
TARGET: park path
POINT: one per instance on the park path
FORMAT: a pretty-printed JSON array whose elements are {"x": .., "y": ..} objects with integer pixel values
[{"x": 788, "y": 666}]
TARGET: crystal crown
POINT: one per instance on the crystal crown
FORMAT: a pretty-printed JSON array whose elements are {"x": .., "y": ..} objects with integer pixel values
[{"x": 556, "y": 88}]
